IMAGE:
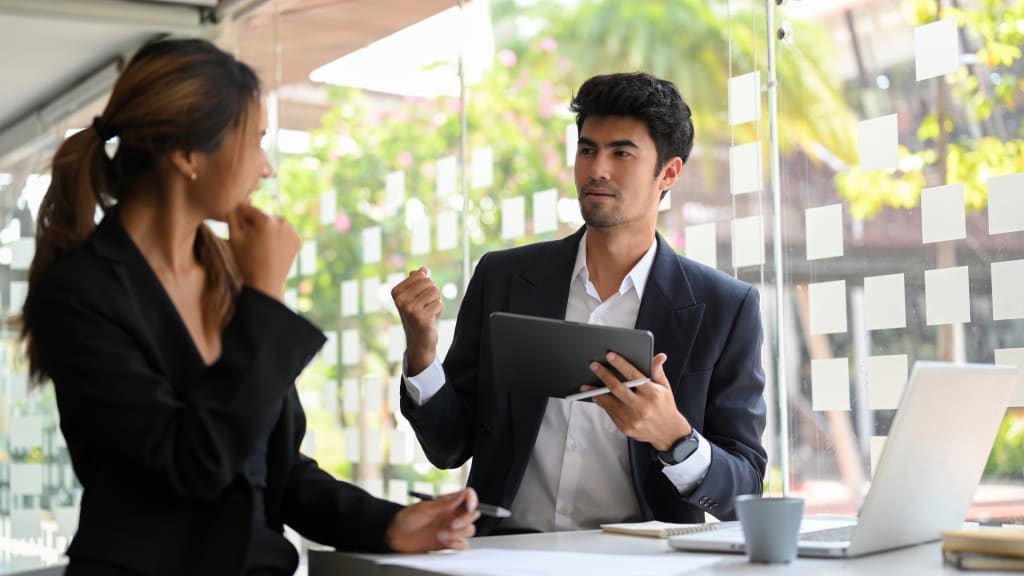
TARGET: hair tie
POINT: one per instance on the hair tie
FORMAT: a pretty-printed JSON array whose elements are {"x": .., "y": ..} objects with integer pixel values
[{"x": 102, "y": 129}]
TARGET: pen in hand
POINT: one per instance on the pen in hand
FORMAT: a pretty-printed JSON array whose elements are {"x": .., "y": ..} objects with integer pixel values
[{"x": 485, "y": 509}]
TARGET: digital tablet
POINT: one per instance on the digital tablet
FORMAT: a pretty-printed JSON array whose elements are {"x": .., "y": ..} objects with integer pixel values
[{"x": 552, "y": 357}]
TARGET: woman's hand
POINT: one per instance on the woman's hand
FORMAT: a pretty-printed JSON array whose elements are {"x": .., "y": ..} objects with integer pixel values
[
  {"x": 265, "y": 247},
  {"x": 442, "y": 523}
]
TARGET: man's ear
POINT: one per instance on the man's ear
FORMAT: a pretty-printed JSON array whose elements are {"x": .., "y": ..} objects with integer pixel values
[
  {"x": 670, "y": 173},
  {"x": 184, "y": 162}
]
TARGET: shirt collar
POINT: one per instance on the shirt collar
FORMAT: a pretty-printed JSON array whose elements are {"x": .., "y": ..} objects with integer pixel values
[{"x": 637, "y": 277}]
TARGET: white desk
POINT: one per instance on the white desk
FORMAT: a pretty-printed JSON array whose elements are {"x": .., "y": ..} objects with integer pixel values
[{"x": 922, "y": 560}]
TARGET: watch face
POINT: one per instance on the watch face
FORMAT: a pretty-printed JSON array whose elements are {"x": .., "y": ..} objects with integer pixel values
[{"x": 684, "y": 447}]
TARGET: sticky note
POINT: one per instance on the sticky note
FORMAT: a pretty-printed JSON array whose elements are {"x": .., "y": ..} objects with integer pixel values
[
  {"x": 1013, "y": 357},
  {"x": 745, "y": 168},
  {"x": 447, "y": 230},
  {"x": 545, "y": 211},
  {"x": 394, "y": 394},
  {"x": 666, "y": 202},
  {"x": 947, "y": 295},
  {"x": 702, "y": 243},
  {"x": 824, "y": 231},
  {"x": 373, "y": 395},
  {"x": 67, "y": 520},
  {"x": 371, "y": 245},
  {"x": 885, "y": 302},
  {"x": 352, "y": 440},
  {"x": 572, "y": 137},
  {"x": 878, "y": 143},
  {"x": 445, "y": 335},
  {"x": 350, "y": 396},
  {"x": 392, "y": 280},
  {"x": 329, "y": 352},
  {"x": 307, "y": 258},
  {"x": 887, "y": 376},
  {"x": 744, "y": 98},
  {"x": 424, "y": 488},
  {"x": 828, "y": 307},
  {"x": 747, "y": 242},
  {"x": 26, "y": 432},
  {"x": 447, "y": 171},
  {"x": 513, "y": 218},
  {"x": 943, "y": 214},
  {"x": 371, "y": 294},
  {"x": 22, "y": 252},
  {"x": 1006, "y": 204},
  {"x": 483, "y": 168},
  {"x": 26, "y": 479},
  {"x": 26, "y": 524},
  {"x": 374, "y": 448},
  {"x": 400, "y": 449},
  {"x": 830, "y": 384},
  {"x": 330, "y": 399},
  {"x": 328, "y": 207},
  {"x": 18, "y": 291},
  {"x": 394, "y": 189},
  {"x": 349, "y": 298},
  {"x": 396, "y": 343},
  {"x": 350, "y": 347},
  {"x": 1008, "y": 290},
  {"x": 398, "y": 491},
  {"x": 291, "y": 298},
  {"x": 420, "y": 236},
  {"x": 936, "y": 49}
]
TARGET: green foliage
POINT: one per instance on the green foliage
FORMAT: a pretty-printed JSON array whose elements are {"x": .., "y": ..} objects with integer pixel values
[{"x": 1007, "y": 458}]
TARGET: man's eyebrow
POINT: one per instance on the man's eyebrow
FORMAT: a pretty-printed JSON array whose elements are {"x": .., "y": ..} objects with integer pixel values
[{"x": 613, "y": 144}]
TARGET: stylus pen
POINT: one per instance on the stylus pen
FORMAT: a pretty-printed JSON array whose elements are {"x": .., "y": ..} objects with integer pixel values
[
  {"x": 485, "y": 509},
  {"x": 604, "y": 390}
]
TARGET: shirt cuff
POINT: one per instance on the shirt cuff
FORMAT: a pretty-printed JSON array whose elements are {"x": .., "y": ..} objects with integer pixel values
[
  {"x": 686, "y": 475},
  {"x": 422, "y": 387}
]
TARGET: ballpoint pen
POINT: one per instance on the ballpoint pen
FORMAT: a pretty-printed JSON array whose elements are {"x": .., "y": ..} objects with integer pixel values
[
  {"x": 603, "y": 390},
  {"x": 485, "y": 509}
]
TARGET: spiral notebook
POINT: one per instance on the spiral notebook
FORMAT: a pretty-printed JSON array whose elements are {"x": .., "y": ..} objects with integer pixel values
[{"x": 658, "y": 529}]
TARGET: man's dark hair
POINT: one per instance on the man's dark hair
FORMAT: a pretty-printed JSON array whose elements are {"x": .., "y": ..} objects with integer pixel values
[{"x": 653, "y": 101}]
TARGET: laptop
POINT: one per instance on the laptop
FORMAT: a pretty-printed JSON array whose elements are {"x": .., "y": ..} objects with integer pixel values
[{"x": 924, "y": 482}]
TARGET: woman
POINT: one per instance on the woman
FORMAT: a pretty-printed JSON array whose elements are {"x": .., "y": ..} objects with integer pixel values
[{"x": 172, "y": 355}]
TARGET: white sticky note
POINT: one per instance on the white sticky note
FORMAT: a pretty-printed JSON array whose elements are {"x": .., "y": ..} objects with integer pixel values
[
  {"x": 878, "y": 142},
  {"x": 1008, "y": 290},
  {"x": 747, "y": 242},
  {"x": 877, "y": 445},
  {"x": 424, "y": 488},
  {"x": 349, "y": 298},
  {"x": 352, "y": 440},
  {"x": 26, "y": 524},
  {"x": 22, "y": 252},
  {"x": 291, "y": 299},
  {"x": 26, "y": 478},
  {"x": 545, "y": 211},
  {"x": 373, "y": 395},
  {"x": 67, "y": 520},
  {"x": 513, "y": 218},
  {"x": 350, "y": 396},
  {"x": 830, "y": 384},
  {"x": 328, "y": 207},
  {"x": 885, "y": 302},
  {"x": 447, "y": 171},
  {"x": 371, "y": 245},
  {"x": 18, "y": 291},
  {"x": 420, "y": 237},
  {"x": 374, "y": 448},
  {"x": 445, "y": 335},
  {"x": 824, "y": 231},
  {"x": 572, "y": 137},
  {"x": 307, "y": 258},
  {"x": 371, "y": 294},
  {"x": 745, "y": 168},
  {"x": 447, "y": 230},
  {"x": 702, "y": 243},
  {"x": 18, "y": 383},
  {"x": 1006, "y": 204},
  {"x": 947, "y": 295},
  {"x": 330, "y": 396},
  {"x": 887, "y": 376},
  {"x": 375, "y": 486},
  {"x": 294, "y": 269},
  {"x": 449, "y": 487},
  {"x": 1013, "y": 357},
  {"x": 482, "y": 163},
  {"x": 666, "y": 202},
  {"x": 828, "y": 307},
  {"x": 398, "y": 491},
  {"x": 936, "y": 49},
  {"x": 400, "y": 449},
  {"x": 943, "y": 214},
  {"x": 396, "y": 343},
  {"x": 745, "y": 98},
  {"x": 390, "y": 282},
  {"x": 26, "y": 432},
  {"x": 394, "y": 189},
  {"x": 329, "y": 352},
  {"x": 349, "y": 347}
]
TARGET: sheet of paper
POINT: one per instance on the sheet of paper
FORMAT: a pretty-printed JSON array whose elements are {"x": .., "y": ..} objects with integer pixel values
[
  {"x": 328, "y": 207},
  {"x": 1006, "y": 204},
  {"x": 572, "y": 137},
  {"x": 878, "y": 143},
  {"x": 1013, "y": 357},
  {"x": 371, "y": 245},
  {"x": 350, "y": 396},
  {"x": 447, "y": 174},
  {"x": 371, "y": 294},
  {"x": 885, "y": 302},
  {"x": 887, "y": 376},
  {"x": 373, "y": 395},
  {"x": 947, "y": 295},
  {"x": 26, "y": 479},
  {"x": 350, "y": 347},
  {"x": 828, "y": 307},
  {"x": 545, "y": 211},
  {"x": 830, "y": 384},
  {"x": 936, "y": 49},
  {"x": 824, "y": 231},
  {"x": 447, "y": 230},
  {"x": 509, "y": 562},
  {"x": 1008, "y": 290},
  {"x": 702, "y": 243},
  {"x": 943, "y": 214},
  {"x": 394, "y": 189},
  {"x": 745, "y": 168},
  {"x": 420, "y": 235},
  {"x": 745, "y": 98},
  {"x": 349, "y": 298},
  {"x": 483, "y": 167},
  {"x": 747, "y": 242},
  {"x": 513, "y": 218}
]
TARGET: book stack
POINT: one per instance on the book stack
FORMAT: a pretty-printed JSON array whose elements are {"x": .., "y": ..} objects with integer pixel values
[{"x": 984, "y": 549}]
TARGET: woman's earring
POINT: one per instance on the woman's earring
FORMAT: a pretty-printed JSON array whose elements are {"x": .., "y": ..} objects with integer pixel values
[{"x": 194, "y": 177}]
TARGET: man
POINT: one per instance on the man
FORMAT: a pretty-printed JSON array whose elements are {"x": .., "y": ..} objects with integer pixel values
[{"x": 681, "y": 445}]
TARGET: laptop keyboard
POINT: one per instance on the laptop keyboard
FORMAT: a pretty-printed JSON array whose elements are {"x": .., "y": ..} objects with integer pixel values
[{"x": 840, "y": 534}]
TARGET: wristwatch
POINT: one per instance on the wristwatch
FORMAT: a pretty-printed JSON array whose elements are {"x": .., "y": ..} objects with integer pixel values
[{"x": 681, "y": 450}]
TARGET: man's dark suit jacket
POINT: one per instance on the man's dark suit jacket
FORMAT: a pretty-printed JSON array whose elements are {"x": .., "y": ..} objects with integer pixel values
[
  {"x": 707, "y": 323},
  {"x": 159, "y": 440}
]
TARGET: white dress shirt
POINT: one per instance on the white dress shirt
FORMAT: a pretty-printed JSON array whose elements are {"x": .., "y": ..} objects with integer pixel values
[{"x": 578, "y": 475}]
